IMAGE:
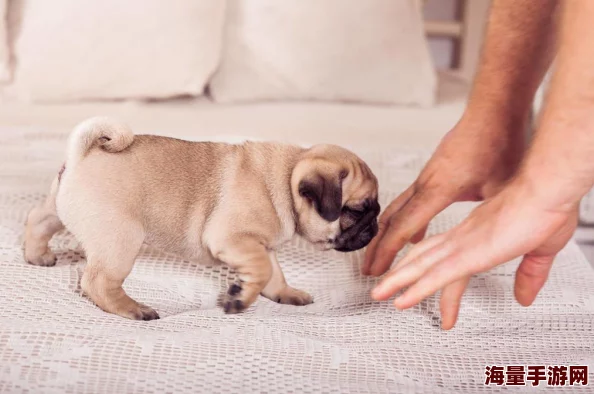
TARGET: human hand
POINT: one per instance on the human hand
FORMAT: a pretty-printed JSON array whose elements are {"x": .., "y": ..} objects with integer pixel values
[
  {"x": 513, "y": 223},
  {"x": 472, "y": 163}
]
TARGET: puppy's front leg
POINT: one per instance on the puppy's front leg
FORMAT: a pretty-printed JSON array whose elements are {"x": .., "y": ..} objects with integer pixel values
[
  {"x": 279, "y": 291},
  {"x": 250, "y": 259}
]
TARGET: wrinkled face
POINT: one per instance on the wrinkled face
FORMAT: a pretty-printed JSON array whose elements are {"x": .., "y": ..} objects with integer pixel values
[
  {"x": 358, "y": 224},
  {"x": 335, "y": 197}
]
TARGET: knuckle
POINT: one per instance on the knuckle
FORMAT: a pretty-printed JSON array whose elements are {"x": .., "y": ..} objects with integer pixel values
[
  {"x": 534, "y": 270},
  {"x": 383, "y": 221}
]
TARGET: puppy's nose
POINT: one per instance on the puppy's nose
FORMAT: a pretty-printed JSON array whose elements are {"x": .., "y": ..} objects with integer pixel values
[{"x": 365, "y": 238}]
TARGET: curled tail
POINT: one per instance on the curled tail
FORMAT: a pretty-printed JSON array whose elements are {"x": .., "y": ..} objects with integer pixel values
[{"x": 106, "y": 133}]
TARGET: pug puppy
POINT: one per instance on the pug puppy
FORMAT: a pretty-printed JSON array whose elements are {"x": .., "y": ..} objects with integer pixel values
[{"x": 235, "y": 203}]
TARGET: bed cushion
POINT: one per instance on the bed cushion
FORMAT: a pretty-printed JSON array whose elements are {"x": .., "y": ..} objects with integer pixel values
[
  {"x": 299, "y": 122},
  {"x": 371, "y": 51},
  {"x": 114, "y": 49}
]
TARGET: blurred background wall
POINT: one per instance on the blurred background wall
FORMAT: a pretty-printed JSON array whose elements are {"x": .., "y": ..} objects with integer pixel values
[{"x": 442, "y": 48}]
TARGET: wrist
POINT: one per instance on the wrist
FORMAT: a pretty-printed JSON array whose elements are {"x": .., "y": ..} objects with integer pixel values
[
  {"x": 495, "y": 116},
  {"x": 494, "y": 130},
  {"x": 558, "y": 167},
  {"x": 546, "y": 191}
]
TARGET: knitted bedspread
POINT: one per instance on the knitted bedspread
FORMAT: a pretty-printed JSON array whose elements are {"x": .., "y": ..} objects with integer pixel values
[{"x": 54, "y": 340}]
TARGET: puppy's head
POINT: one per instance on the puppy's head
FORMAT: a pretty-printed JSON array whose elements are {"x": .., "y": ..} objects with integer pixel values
[{"x": 335, "y": 196}]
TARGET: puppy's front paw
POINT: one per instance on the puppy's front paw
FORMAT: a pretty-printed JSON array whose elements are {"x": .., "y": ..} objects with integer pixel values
[
  {"x": 141, "y": 312},
  {"x": 47, "y": 259},
  {"x": 292, "y": 296},
  {"x": 236, "y": 300}
]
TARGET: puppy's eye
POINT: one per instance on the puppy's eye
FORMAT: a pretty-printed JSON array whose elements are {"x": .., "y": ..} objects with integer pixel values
[{"x": 354, "y": 212}]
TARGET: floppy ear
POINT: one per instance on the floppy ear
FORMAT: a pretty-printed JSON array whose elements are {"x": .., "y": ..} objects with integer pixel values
[{"x": 325, "y": 194}]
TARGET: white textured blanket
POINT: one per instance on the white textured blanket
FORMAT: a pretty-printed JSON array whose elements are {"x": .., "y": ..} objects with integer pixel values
[{"x": 53, "y": 340}]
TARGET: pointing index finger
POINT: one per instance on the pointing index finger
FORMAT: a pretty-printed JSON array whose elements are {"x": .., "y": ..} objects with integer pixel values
[
  {"x": 394, "y": 206},
  {"x": 403, "y": 225}
]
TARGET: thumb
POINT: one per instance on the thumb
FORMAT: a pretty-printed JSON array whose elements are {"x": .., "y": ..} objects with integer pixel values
[{"x": 531, "y": 277}]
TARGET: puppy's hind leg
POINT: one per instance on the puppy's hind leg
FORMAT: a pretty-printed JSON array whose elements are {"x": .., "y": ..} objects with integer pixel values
[
  {"x": 42, "y": 223},
  {"x": 110, "y": 258}
]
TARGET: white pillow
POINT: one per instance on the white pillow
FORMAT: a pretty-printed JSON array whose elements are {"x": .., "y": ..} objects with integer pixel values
[
  {"x": 370, "y": 51},
  {"x": 111, "y": 49},
  {"x": 4, "y": 58}
]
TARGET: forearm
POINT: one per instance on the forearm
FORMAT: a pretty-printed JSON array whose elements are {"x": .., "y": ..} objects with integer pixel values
[
  {"x": 560, "y": 163},
  {"x": 518, "y": 48}
]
